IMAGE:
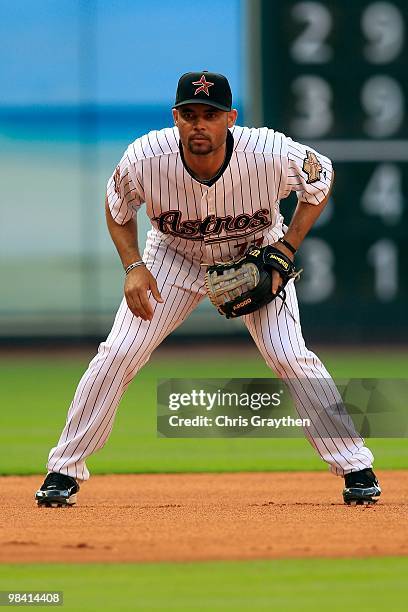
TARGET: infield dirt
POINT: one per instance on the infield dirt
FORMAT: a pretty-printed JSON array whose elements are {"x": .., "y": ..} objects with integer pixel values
[{"x": 191, "y": 517}]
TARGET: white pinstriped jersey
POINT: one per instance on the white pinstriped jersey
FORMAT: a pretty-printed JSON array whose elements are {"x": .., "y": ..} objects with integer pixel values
[{"x": 217, "y": 222}]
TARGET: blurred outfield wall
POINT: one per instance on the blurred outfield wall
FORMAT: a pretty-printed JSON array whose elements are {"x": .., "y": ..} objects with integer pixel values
[{"x": 87, "y": 78}]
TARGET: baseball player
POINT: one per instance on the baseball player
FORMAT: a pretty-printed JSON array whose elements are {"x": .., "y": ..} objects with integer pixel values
[{"x": 211, "y": 190}]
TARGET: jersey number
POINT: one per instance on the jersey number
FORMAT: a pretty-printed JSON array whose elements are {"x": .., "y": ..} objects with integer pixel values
[{"x": 244, "y": 246}]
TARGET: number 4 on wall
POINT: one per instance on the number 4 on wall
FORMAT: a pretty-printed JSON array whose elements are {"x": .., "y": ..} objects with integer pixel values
[{"x": 383, "y": 194}]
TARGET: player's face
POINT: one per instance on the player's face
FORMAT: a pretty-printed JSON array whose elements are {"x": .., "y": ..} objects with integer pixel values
[{"x": 203, "y": 128}]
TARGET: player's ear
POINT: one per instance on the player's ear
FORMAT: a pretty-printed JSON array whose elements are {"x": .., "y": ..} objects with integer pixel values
[
  {"x": 232, "y": 117},
  {"x": 175, "y": 115}
]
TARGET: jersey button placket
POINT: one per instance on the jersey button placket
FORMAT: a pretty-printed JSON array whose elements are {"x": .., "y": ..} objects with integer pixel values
[{"x": 207, "y": 209}]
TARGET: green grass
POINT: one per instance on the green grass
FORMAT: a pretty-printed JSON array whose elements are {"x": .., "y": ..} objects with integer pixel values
[
  {"x": 290, "y": 584},
  {"x": 36, "y": 394}
]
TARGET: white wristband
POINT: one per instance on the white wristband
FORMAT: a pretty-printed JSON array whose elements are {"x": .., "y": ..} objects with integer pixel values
[{"x": 134, "y": 265}]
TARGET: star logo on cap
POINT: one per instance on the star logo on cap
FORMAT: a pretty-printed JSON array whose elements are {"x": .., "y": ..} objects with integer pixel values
[{"x": 203, "y": 85}]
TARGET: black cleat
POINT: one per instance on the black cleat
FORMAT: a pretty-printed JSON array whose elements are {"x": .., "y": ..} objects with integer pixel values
[
  {"x": 361, "y": 488},
  {"x": 57, "y": 491}
]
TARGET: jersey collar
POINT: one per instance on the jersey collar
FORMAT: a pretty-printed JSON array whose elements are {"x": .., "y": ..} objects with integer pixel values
[{"x": 212, "y": 180}]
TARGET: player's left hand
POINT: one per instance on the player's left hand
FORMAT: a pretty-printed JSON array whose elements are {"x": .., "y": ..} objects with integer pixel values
[
  {"x": 277, "y": 280},
  {"x": 137, "y": 285}
]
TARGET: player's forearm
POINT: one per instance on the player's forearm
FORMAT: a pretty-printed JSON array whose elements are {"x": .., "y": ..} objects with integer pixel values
[
  {"x": 124, "y": 238},
  {"x": 303, "y": 219}
]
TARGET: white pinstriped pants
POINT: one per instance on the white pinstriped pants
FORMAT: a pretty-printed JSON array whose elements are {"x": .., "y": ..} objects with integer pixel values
[{"x": 132, "y": 340}]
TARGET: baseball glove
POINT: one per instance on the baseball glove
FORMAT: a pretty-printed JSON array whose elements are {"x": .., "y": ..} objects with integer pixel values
[{"x": 240, "y": 287}]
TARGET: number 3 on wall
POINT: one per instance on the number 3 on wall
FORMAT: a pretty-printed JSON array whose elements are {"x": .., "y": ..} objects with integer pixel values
[{"x": 318, "y": 280}]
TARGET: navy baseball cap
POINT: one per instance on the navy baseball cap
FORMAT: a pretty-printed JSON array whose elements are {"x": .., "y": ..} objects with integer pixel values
[{"x": 204, "y": 88}]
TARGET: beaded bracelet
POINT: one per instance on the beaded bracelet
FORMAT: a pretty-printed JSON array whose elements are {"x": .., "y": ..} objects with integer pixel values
[{"x": 134, "y": 265}]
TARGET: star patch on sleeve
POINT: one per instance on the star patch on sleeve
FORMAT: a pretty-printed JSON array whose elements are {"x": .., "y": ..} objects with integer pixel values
[
  {"x": 312, "y": 167},
  {"x": 116, "y": 180}
]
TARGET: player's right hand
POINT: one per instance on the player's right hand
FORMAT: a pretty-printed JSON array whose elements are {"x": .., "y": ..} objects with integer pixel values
[{"x": 137, "y": 283}]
